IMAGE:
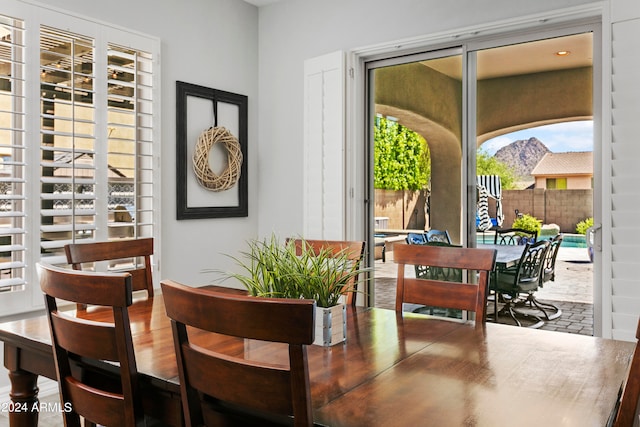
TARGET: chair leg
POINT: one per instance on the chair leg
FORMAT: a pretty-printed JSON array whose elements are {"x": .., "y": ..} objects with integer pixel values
[
  {"x": 509, "y": 309},
  {"x": 532, "y": 301}
]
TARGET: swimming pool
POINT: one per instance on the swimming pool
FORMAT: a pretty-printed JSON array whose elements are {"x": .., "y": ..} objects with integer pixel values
[
  {"x": 569, "y": 240},
  {"x": 574, "y": 241}
]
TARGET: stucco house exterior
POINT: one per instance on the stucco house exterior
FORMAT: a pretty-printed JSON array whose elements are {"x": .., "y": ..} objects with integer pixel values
[{"x": 564, "y": 171}]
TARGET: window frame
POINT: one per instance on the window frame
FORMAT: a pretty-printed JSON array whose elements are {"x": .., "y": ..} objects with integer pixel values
[{"x": 34, "y": 17}]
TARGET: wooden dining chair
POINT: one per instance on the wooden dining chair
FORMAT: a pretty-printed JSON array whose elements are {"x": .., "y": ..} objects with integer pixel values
[
  {"x": 220, "y": 389},
  {"x": 469, "y": 294},
  {"x": 438, "y": 273},
  {"x": 76, "y": 342},
  {"x": 122, "y": 255},
  {"x": 629, "y": 411},
  {"x": 351, "y": 250}
]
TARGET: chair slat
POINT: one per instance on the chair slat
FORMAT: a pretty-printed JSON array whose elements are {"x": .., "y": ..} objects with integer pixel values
[{"x": 95, "y": 340}]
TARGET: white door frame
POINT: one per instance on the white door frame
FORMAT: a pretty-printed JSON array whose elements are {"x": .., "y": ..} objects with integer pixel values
[{"x": 359, "y": 206}]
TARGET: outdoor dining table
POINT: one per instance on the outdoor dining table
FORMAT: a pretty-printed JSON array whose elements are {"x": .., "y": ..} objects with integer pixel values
[
  {"x": 506, "y": 255},
  {"x": 393, "y": 369}
]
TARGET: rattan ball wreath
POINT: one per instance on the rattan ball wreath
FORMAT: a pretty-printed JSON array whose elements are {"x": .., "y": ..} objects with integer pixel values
[{"x": 205, "y": 176}]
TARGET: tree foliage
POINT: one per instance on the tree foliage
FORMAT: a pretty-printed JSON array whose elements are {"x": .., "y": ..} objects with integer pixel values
[
  {"x": 401, "y": 157},
  {"x": 489, "y": 165}
]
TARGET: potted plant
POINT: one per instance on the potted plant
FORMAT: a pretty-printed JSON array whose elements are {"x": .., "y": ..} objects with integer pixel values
[{"x": 275, "y": 270}]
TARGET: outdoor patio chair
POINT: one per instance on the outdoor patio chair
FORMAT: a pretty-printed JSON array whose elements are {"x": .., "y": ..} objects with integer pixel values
[
  {"x": 549, "y": 271},
  {"x": 514, "y": 236},
  {"x": 438, "y": 236},
  {"x": 416, "y": 238},
  {"x": 548, "y": 310},
  {"x": 524, "y": 278}
]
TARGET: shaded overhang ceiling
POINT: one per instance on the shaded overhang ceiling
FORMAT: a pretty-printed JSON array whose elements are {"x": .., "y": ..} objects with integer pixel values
[{"x": 526, "y": 58}]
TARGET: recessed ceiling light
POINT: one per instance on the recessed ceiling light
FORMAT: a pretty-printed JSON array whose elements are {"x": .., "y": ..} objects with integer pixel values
[{"x": 562, "y": 53}]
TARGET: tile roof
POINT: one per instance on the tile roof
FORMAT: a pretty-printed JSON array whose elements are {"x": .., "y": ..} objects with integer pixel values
[{"x": 572, "y": 163}]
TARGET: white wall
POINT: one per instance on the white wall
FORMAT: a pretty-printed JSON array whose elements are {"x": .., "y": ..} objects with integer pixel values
[
  {"x": 294, "y": 30},
  {"x": 213, "y": 43}
]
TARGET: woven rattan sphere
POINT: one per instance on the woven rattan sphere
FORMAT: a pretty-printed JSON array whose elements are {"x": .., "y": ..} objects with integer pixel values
[{"x": 205, "y": 176}]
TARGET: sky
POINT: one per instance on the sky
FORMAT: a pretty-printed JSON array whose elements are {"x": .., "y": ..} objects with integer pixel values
[{"x": 559, "y": 137}]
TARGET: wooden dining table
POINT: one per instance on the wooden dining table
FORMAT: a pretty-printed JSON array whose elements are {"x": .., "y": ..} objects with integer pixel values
[{"x": 393, "y": 369}]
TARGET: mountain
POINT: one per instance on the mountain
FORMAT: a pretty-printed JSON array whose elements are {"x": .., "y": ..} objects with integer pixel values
[{"x": 523, "y": 156}]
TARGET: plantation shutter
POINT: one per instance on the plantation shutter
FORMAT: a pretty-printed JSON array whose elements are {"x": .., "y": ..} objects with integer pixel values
[
  {"x": 12, "y": 158},
  {"x": 324, "y": 148},
  {"x": 77, "y": 139},
  {"x": 67, "y": 140},
  {"x": 130, "y": 142},
  {"x": 625, "y": 175}
]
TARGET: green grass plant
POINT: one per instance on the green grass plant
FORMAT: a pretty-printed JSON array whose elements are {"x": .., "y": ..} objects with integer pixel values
[{"x": 272, "y": 269}]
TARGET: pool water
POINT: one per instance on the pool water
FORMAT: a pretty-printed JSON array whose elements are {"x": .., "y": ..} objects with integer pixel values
[
  {"x": 569, "y": 240},
  {"x": 574, "y": 241}
]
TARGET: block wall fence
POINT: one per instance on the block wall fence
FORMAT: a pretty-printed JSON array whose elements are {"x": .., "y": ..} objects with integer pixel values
[{"x": 566, "y": 208}]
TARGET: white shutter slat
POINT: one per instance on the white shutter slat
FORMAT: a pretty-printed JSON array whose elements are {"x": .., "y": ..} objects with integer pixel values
[
  {"x": 11, "y": 282},
  {"x": 66, "y": 227},
  {"x": 66, "y": 212},
  {"x": 61, "y": 180}
]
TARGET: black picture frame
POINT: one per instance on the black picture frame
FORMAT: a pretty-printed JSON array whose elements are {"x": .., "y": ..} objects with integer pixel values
[{"x": 184, "y": 168}]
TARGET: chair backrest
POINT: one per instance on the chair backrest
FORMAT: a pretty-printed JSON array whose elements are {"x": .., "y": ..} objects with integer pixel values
[
  {"x": 438, "y": 236},
  {"x": 466, "y": 295},
  {"x": 74, "y": 338},
  {"x": 439, "y": 273},
  {"x": 124, "y": 255},
  {"x": 629, "y": 411},
  {"x": 416, "y": 238},
  {"x": 351, "y": 250},
  {"x": 549, "y": 269},
  {"x": 226, "y": 381},
  {"x": 531, "y": 264},
  {"x": 514, "y": 236}
]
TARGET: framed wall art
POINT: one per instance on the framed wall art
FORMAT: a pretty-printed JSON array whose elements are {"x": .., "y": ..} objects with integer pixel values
[{"x": 211, "y": 153}]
